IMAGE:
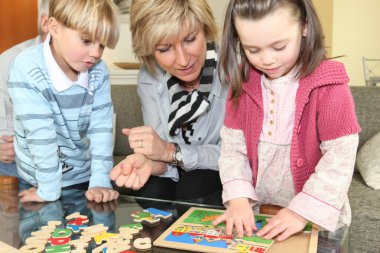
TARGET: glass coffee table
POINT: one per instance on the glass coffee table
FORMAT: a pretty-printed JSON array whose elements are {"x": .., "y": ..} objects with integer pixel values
[{"x": 18, "y": 220}]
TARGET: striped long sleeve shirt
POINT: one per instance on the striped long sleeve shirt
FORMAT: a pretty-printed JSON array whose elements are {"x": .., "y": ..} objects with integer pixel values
[{"x": 61, "y": 137}]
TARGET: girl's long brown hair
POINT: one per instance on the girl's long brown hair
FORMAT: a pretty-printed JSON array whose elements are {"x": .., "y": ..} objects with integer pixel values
[{"x": 233, "y": 62}]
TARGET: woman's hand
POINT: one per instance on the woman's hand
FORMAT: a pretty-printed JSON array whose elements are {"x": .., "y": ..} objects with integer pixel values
[
  {"x": 133, "y": 172},
  {"x": 239, "y": 214},
  {"x": 144, "y": 140},
  {"x": 7, "y": 152},
  {"x": 284, "y": 224},
  {"x": 101, "y": 194}
]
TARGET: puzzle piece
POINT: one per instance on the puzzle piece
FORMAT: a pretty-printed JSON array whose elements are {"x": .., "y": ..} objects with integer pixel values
[
  {"x": 58, "y": 248},
  {"x": 75, "y": 215},
  {"x": 117, "y": 245},
  {"x": 75, "y": 228},
  {"x": 130, "y": 229},
  {"x": 60, "y": 236},
  {"x": 103, "y": 237},
  {"x": 142, "y": 243},
  {"x": 32, "y": 248},
  {"x": 150, "y": 215},
  {"x": 158, "y": 213},
  {"x": 144, "y": 217},
  {"x": 132, "y": 225}
]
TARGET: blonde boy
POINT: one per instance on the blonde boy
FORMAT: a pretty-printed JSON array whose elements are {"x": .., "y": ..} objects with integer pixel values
[{"x": 62, "y": 104}]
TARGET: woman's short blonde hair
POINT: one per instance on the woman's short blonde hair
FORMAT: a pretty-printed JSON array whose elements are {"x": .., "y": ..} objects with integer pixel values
[
  {"x": 98, "y": 19},
  {"x": 152, "y": 21}
]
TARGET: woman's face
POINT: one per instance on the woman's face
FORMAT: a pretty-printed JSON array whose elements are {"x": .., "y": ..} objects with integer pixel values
[{"x": 184, "y": 56}]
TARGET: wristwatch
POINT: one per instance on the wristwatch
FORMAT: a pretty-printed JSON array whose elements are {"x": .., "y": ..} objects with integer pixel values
[{"x": 177, "y": 155}]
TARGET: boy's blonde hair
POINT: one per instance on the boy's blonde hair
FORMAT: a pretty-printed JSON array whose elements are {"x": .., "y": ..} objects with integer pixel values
[
  {"x": 155, "y": 20},
  {"x": 98, "y": 19}
]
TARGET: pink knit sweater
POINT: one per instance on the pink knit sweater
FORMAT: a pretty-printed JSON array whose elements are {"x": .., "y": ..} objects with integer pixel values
[{"x": 324, "y": 111}]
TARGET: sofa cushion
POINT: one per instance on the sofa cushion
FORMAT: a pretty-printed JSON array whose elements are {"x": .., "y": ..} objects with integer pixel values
[
  {"x": 367, "y": 108},
  {"x": 368, "y": 161},
  {"x": 128, "y": 109},
  {"x": 365, "y": 223}
]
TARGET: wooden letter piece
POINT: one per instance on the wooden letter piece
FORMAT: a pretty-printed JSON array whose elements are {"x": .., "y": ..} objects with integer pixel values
[{"x": 142, "y": 243}]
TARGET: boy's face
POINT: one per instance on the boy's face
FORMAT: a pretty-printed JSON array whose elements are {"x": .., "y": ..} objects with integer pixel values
[{"x": 73, "y": 51}]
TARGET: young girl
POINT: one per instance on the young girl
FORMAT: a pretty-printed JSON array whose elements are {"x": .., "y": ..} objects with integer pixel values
[
  {"x": 62, "y": 104},
  {"x": 290, "y": 134}
]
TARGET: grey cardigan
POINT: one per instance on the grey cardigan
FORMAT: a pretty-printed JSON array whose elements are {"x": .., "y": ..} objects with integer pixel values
[{"x": 204, "y": 151}]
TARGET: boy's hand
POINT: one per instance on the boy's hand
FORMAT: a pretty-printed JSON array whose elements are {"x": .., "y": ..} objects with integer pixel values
[
  {"x": 101, "y": 194},
  {"x": 7, "y": 152},
  {"x": 239, "y": 214},
  {"x": 30, "y": 195},
  {"x": 133, "y": 172},
  {"x": 284, "y": 224}
]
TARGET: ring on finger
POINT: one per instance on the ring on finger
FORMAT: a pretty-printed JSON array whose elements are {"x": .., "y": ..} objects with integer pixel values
[{"x": 140, "y": 144}]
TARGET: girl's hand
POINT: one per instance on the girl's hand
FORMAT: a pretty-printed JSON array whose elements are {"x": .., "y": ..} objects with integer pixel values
[
  {"x": 144, "y": 140},
  {"x": 101, "y": 194},
  {"x": 133, "y": 172},
  {"x": 30, "y": 195},
  {"x": 239, "y": 214},
  {"x": 7, "y": 152},
  {"x": 284, "y": 224}
]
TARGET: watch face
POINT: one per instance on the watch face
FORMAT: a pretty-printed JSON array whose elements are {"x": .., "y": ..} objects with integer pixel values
[{"x": 178, "y": 156}]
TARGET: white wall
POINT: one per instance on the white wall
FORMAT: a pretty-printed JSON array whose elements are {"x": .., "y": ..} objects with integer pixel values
[
  {"x": 351, "y": 27},
  {"x": 356, "y": 33}
]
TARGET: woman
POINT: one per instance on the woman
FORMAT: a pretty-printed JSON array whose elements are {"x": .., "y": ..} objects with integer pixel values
[{"x": 176, "y": 152}]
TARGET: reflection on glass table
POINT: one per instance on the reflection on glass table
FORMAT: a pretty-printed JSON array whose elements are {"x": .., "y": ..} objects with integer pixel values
[{"x": 18, "y": 224}]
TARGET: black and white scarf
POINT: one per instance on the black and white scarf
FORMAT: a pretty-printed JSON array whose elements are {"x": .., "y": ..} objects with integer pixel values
[{"x": 186, "y": 107}]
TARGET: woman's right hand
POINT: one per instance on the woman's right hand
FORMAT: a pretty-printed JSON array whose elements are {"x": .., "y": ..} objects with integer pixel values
[
  {"x": 133, "y": 172},
  {"x": 144, "y": 140},
  {"x": 239, "y": 214}
]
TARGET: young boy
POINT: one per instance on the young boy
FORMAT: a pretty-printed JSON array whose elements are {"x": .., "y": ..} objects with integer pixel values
[{"x": 62, "y": 104}]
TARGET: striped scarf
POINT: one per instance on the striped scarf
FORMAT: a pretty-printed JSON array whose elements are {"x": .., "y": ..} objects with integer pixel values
[{"x": 186, "y": 107}]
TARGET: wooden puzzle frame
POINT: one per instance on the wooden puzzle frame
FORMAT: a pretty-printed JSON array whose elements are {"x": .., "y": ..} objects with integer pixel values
[{"x": 304, "y": 242}]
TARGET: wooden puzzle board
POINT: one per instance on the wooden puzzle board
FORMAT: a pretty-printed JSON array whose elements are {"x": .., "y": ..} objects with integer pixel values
[{"x": 300, "y": 243}]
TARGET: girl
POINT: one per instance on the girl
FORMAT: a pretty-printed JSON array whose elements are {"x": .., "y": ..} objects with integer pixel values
[{"x": 290, "y": 133}]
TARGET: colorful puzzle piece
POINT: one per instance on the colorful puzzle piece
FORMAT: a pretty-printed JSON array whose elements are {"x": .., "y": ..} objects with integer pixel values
[
  {"x": 103, "y": 237},
  {"x": 158, "y": 213},
  {"x": 144, "y": 217},
  {"x": 150, "y": 215},
  {"x": 133, "y": 225}
]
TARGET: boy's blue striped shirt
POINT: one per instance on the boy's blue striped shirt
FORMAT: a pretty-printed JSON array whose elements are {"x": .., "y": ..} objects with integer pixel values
[{"x": 61, "y": 138}]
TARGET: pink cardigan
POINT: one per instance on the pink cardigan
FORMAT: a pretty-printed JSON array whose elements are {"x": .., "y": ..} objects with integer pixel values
[{"x": 324, "y": 111}]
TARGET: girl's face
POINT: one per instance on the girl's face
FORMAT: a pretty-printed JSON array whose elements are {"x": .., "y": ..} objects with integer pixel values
[
  {"x": 183, "y": 57},
  {"x": 272, "y": 44},
  {"x": 73, "y": 51}
]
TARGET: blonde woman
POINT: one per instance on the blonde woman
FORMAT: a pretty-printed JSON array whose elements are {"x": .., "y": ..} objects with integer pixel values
[{"x": 176, "y": 151}]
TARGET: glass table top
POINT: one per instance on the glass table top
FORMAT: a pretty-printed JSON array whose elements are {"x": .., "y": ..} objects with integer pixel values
[{"x": 19, "y": 220}]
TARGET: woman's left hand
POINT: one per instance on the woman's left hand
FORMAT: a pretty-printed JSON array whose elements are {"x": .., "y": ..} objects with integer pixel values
[
  {"x": 144, "y": 140},
  {"x": 284, "y": 224}
]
